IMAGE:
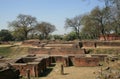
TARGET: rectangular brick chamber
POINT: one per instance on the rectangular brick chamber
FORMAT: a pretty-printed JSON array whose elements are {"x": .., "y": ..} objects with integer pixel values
[{"x": 36, "y": 65}]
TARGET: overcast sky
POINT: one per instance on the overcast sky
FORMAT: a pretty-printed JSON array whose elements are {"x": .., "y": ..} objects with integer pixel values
[{"x": 53, "y": 11}]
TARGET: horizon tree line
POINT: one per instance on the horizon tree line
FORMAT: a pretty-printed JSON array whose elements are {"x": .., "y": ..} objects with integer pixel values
[{"x": 100, "y": 21}]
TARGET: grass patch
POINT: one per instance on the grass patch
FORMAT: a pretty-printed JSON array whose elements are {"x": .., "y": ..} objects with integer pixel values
[
  {"x": 104, "y": 51},
  {"x": 5, "y": 51},
  {"x": 18, "y": 52},
  {"x": 107, "y": 51},
  {"x": 13, "y": 51}
]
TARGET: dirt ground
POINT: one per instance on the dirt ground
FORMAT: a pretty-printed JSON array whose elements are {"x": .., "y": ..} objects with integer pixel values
[{"x": 71, "y": 73}]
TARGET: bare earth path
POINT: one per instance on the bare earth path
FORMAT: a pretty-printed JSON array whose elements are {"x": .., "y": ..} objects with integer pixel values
[{"x": 71, "y": 73}]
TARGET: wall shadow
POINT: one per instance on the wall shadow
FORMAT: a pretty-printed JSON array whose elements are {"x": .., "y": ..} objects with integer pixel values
[
  {"x": 70, "y": 62},
  {"x": 48, "y": 70}
]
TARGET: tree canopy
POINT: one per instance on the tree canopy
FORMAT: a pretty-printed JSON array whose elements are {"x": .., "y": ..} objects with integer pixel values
[
  {"x": 5, "y": 35},
  {"x": 45, "y": 29},
  {"x": 99, "y": 21},
  {"x": 75, "y": 24},
  {"x": 23, "y": 24}
]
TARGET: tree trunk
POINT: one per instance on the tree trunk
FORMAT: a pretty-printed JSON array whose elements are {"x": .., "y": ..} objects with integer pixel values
[{"x": 25, "y": 35}]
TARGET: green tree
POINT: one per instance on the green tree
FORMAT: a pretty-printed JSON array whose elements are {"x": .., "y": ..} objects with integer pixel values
[
  {"x": 75, "y": 24},
  {"x": 71, "y": 36},
  {"x": 23, "y": 23},
  {"x": 97, "y": 22},
  {"x": 90, "y": 29},
  {"x": 58, "y": 37},
  {"x": 17, "y": 34},
  {"x": 115, "y": 20},
  {"x": 45, "y": 29},
  {"x": 5, "y": 35}
]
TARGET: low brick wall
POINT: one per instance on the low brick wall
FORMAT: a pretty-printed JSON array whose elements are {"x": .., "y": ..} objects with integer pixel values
[
  {"x": 31, "y": 42},
  {"x": 62, "y": 59},
  {"x": 86, "y": 61},
  {"x": 98, "y": 43},
  {"x": 105, "y": 43},
  {"x": 104, "y": 51},
  {"x": 39, "y": 51},
  {"x": 89, "y": 44},
  {"x": 59, "y": 45},
  {"x": 101, "y": 57},
  {"x": 61, "y": 51}
]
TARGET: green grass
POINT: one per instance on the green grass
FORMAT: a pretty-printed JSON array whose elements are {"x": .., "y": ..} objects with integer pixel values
[
  {"x": 104, "y": 51},
  {"x": 13, "y": 51},
  {"x": 5, "y": 51}
]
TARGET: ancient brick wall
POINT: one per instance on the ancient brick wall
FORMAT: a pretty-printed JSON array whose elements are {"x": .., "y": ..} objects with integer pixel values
[
  {"x": 105, "y": 43},
  {"x": 101, "y": 57},
  {"x": 31, "y": 42},
  {"x": 98, "y": 43},
  {"x": 60, "y": 59},
  {"x": 61, "y": 51},
  {"x": 68, "y": 51},
  {"x": 39, "y": 51},
  {"x": 22, "y": 68},
  {"x": 86, "y": 61},
  {"x": 109, "y": 37},
  {"x": 59, "y": 45},
  {"x": 88, "y": 44}
]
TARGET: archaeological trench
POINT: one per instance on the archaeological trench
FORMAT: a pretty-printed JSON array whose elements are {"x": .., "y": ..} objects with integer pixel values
[{"x": 42, "y": 54}]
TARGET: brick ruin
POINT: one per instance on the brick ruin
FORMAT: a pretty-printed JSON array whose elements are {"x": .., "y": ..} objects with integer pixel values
[
  {"x": 31, "y": 42},
  {"x": 7, "y": 71},
  {"x": 44, "y": 54},
  {"x": 86, "y": 61},
  {"x": 38, "y": 65},
  {"x": 109, "y": 37},
  {"x": 99, "y": 44},
  {"x": 54, "y": 51}
]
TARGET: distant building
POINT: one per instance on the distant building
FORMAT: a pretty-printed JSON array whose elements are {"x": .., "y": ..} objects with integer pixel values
[{"x": 109, "y": 37}]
